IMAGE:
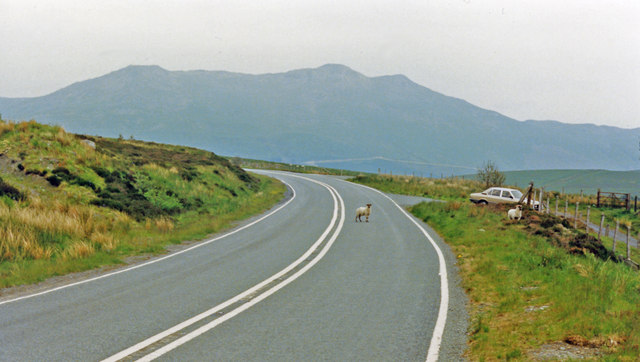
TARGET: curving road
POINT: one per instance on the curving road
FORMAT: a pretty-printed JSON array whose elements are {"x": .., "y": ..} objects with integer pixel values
[{"x": 302, "y": 282}]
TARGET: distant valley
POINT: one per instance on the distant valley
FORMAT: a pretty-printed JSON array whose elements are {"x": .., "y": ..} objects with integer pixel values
[{"x": 330, "y": 116}]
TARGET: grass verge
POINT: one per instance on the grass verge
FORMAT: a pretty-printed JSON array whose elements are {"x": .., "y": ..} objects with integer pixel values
[{"x": 526, "y": 292}]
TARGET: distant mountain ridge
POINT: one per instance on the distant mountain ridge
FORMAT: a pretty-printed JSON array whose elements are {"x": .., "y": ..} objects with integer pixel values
[{"x": 331, "y": 116}]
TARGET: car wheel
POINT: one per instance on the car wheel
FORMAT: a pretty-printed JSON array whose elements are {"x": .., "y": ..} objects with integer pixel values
[{"x": 482, "y": 202}]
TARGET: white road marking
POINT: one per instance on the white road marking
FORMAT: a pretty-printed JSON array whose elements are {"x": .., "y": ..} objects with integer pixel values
[
  {"x": 256, "y": 299},
  {"x": 155, "y": 260},
  {"x": 438, "y": 330}
]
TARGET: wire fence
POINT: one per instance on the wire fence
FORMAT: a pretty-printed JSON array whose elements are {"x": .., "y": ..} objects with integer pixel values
[{"x": 622, "y": 233}]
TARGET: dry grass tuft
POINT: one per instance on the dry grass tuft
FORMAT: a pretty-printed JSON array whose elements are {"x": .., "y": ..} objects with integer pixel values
[
  {"x": 453, "y": 206},
  {"x": 79, "y": 249},
  {"x": 164, "y": 225},
  {"x": 63, "y": 137},
  {"x": 23, "y": 126},
  {"x": 582, "y": 270},
  {"x": 22, "y": 225},
  {"x": 6, "y": 127},
  {"x": 105, "y": 241}
]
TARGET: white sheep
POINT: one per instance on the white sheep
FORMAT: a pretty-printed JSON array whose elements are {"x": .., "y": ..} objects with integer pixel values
[
  {"x": 515, "y": 213},
  {"x": 363, "y": 211}
]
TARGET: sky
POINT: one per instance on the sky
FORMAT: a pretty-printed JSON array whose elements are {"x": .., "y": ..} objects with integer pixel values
[{"x": 574, "y": 61}]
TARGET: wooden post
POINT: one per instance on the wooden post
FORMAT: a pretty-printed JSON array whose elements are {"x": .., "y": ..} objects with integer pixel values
[
  {"x": 556, "y": 205},
  {"x": 600, "y": 229},
  {"x": 575, "y": 220},
  {"x": 635, "y": 204},
  {"x": 548, "y": 205},
  {"x": 628, "y": 245},
  {"x": 627, "y": 202},
  {"x": 615, "y": 233},
  {"x": 587, "y": 222},
  {"x": 530, "y": 196},
  {"x": 566, "y": 207},
  {"x": 598, "y": 199}
]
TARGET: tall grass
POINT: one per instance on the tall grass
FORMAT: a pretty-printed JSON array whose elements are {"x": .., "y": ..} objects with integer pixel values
[{"x": 36, "y": 229}]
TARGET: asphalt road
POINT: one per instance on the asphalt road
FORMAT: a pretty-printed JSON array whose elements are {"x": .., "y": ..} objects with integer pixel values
[{"x": 302, "y": 282}]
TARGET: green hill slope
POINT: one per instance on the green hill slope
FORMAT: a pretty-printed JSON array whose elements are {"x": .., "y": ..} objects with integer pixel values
[{"x": 71, "y": 202}]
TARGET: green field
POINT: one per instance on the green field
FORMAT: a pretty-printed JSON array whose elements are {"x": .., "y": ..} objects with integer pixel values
[{"x": 574, "y": 181}]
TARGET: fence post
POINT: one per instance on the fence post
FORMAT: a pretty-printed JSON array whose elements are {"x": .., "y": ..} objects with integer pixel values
[
  {"x": 556, "y": 205},
  {"x": 566, "y": 206},
  {"x": 627, "y": 202},
  {"x": 575, "y": 220},
  {"x": 587, "y": 221},
  {"x": 615, "y": 232},
  {"x": 628, "y": 245},
  {"x": 548, "y": 205},
  {"x": 601, "y": 224},
  {"x": 598, "y": 199}
]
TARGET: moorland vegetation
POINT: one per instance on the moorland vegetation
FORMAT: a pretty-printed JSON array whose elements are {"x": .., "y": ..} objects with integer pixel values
[{"x": 72, "y": 202}]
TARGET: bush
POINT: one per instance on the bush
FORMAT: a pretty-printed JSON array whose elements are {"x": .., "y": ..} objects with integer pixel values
[
  {"x": 11, "y": 192},
  {"x": 490, "y": 175},
  {"x": 101, "y": 171},
  {"x": 65, "y": 175},
  {"x": 41, "y": 173},
  {"x": 54, "y": 180},
  {"x": 121, "y": 194}
]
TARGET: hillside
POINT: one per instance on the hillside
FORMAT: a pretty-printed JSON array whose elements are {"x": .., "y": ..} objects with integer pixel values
[
  {"x": 331, "y": 116},
  {"x": 71, "y": 202}
]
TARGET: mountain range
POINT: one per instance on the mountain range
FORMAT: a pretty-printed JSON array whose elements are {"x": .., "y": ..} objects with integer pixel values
[{"x": 329, "y": 116}]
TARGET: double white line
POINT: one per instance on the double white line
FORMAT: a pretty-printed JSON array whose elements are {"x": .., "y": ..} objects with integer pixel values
[{"x": 254, "y": 295}]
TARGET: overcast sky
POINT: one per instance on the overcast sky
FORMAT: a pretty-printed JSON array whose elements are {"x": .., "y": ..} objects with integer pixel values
[{"x": 575, "y": 61}]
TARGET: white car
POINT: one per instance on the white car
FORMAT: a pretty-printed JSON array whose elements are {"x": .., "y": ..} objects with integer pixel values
[{"x": 499, "y": 195}]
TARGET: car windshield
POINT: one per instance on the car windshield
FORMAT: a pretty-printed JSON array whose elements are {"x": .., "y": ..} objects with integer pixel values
[{"x": 517, "y": 194}]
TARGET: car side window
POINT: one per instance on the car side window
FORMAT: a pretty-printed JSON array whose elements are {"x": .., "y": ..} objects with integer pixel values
[
  {"x": 495, "y": 192},
  {"x": 507, "y": 194}
]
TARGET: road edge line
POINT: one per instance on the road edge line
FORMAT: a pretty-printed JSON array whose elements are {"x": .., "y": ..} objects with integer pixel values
[{"x": 438, "y": 331}]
